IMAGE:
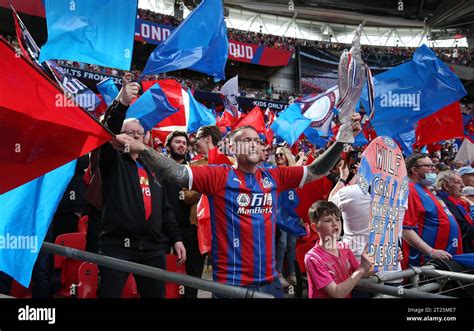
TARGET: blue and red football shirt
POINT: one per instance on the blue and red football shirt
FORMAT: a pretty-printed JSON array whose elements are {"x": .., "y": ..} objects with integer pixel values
[
  {"x": 434, "y": 223},
  {"x": 243, "y": 217}
]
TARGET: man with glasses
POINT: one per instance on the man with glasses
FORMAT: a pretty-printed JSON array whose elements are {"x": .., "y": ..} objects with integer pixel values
[
  {"x": 207, "y": 137},
  {"x": 429, "y": 228},
  {"x": 449, "y": 186},
  {"x": 243, "y": 201},
  {"x": 136, "y": 214}
]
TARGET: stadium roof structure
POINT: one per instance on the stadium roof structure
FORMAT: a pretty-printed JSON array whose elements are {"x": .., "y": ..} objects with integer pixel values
[
  {"x": 440, "y": 14},
  {"x": 437, "y": 23}
]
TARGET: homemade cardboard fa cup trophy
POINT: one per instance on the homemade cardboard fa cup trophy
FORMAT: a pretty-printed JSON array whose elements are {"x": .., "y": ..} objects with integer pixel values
[{"x": 353, "y": 74}]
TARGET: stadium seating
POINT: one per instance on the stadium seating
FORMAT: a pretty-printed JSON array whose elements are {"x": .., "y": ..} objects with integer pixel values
[
  {"x": 88, "y": 274},
  {"x": 69, "y": 267},
  {"x": 172, "y": 289},
  {"x": 82, "y": 224},
  {"x": 88, "y": 277},
  {"x": 130, "y": 290}
]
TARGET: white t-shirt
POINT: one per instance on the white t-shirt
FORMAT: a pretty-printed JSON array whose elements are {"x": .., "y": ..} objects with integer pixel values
[{"x": 355, "y": 209}]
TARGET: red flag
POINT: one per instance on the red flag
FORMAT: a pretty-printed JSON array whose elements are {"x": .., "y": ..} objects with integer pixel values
[
  {"x": 204, "y": 232},
  {"x": 158, "y": 133},
  {"x": 226, "y": 120},
  {"x": 216, "y": 157},
  {"x": 310, "y": 193},
  {"x": 101, "y": 108},
  {"x": 40, "y": 129},
  {"x": 269, "y": 136},
  {"x": 31, "y": 7},
  {"x": 368, "y": 131},
  {"x": 442, "y": 125},
  {"x": 253, "y": 118},
  {"x": 433, "y": 147}
]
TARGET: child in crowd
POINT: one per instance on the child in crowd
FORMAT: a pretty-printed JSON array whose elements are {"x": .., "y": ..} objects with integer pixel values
[{"x": 333, "y": 271}]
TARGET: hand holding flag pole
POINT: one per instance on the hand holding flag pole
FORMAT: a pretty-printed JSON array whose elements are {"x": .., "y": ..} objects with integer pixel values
[{"x": 130, "y": 90}]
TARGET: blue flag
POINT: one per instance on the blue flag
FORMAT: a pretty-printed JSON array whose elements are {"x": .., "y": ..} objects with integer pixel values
[
  {"x": 88, "y": 31},
  {"x": 151, "y": 107},
  {"x": 406, "y": 141},
  {"x": 314, "y": 138},
  {"x": 290, "y": 124},
  {"x": 26, "y": 213},
  {"x": 199, "y": 43},
  {"x": 199, "y": 115},
  {"x": 412, "y": 91},
  {"x": 108, "y": 90}
]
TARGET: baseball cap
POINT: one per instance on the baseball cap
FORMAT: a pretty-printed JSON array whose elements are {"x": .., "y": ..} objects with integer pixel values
[
  {"x": 468, "y": 190},
  {"x": 465, "y": 170}
]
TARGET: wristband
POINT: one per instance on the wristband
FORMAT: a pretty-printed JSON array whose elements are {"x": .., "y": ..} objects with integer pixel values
[
  {"x": 344, "y": 181},
  {"x": 431, "y": 253}
]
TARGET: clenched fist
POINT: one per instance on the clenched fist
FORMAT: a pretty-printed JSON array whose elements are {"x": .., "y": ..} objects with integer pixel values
[{"x": 129, "y": 91}]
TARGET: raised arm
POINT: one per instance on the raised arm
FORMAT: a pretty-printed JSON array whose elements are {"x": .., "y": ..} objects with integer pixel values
[
  {"x": 165, "y": 167},
  {"x": 115, "y": 115},
  {"x": 324, "y": 163}
]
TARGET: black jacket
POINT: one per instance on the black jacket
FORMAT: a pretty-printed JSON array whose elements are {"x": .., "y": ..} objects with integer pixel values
[
  {"x": 123, "y": 215},
  {"x": 175, "y": 195}
]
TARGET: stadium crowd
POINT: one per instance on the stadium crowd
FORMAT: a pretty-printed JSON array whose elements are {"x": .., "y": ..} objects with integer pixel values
[
  {"x": 109, "y": 195},
  {"x": 141, "y": 197}
]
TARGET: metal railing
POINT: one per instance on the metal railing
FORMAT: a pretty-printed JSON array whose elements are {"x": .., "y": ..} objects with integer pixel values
[
  {"x": 374, "y": 284},
  {"x": 415, "y": 288},
  {"x": 155, "y": 273}
]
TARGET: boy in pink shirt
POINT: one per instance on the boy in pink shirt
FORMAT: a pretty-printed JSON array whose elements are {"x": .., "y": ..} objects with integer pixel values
[{"x": 333, "y": 271}]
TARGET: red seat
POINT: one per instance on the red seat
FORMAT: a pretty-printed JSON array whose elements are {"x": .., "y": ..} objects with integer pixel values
[
  {"x": 88, "y": 276},
  {"x": 18, "y": 291},
  {"x": 172, "y": 289},
  {"x": 75, "y": 240},
  {"x": 130, "y": 289},
  {"x": 88, "y": 281},
  {"x": 69, "y": 267},
  {"x": 82, "y": 224}
]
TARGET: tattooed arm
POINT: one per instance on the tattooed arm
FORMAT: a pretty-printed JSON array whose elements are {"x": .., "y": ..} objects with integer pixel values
[
  {"x": 324, "y": 163},
  {"x": 161, "y": 165},
  {"x": 165, "y": 167}
]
